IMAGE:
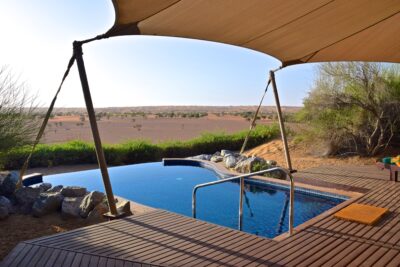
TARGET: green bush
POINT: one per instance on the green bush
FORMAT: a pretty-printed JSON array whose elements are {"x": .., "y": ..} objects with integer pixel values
[{"x": 138, "y": 151}]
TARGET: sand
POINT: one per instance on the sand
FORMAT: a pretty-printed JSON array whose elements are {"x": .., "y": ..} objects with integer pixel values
[{"x": 117, "y": 129}]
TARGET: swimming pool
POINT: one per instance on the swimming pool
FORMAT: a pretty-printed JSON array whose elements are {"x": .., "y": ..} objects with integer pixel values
[{"x": 265, "y": 209}]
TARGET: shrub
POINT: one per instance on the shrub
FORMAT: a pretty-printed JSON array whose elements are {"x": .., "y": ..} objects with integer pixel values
[
  {"x": 355, "y": 107},
  {"x": 138, "y": 151}
]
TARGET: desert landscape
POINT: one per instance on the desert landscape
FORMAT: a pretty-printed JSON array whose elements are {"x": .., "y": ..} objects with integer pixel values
[{"x": 156, "y": 124}]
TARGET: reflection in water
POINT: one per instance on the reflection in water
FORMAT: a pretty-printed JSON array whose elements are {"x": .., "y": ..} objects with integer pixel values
[{"x": 283, "y": 214}]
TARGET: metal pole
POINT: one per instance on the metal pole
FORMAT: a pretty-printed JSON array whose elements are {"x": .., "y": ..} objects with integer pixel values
[
  {"x": 194, "y": 203},
  {"x": 281, "y": 124},
  {"x": 241, "y": 204},
  {"x": 291, "y": 207},
  {"x": 95, "y": 131}
]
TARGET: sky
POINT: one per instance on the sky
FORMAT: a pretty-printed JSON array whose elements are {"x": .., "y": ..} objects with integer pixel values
[{"x": 36, "y": 45}]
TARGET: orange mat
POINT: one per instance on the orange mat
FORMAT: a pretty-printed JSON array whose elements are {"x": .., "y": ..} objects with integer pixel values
[{"x": 361, "y": 213}]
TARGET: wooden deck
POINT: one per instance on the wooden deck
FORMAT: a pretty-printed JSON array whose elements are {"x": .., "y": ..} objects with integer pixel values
[{"x": 161, "y": 238}]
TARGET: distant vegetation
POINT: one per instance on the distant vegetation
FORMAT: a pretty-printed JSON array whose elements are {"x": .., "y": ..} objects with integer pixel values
[
  {"x": 77, "y": 152},
  {"x": 355, "y": 107},
  {"x": 181, "y": 114}
]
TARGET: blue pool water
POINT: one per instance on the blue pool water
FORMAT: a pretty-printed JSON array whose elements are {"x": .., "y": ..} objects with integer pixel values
[{"x": 265, "y": 209}]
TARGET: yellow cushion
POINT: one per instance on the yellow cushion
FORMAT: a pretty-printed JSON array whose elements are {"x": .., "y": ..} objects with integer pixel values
[{"x": 361, "y": 213}]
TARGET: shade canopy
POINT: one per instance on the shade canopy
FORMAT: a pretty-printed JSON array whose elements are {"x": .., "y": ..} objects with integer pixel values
[{"x": 293, "y": 31}]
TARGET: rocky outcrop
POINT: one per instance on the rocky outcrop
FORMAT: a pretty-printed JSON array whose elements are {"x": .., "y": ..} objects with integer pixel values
[
  {"x": 216, "y": 158},
  {"x": 5, "y": 202},
  {"x": 3, "y": 212},
  {"x": 73, "y": 191},
  {"x": 55, "y": 189},
  {"x": 5, "y": 207},
  {"x": 230, "y": 161},
  {"x": 246, "y": 165},
  {"x": 45, "y": 186},
  {"x": 97, "y": 212},
  {"x": 89, "y": 202},
  {"x": 8, "y": 183},
  {"x": 25, "y": 197},
  {"x": 202, "y": 157},
  {"x": 70, "y": 207},
  {"x": 47, "y": 203},
  {"x": 124, "y": 206}
]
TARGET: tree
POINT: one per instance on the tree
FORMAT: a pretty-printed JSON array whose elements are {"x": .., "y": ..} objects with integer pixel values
[
  {"x": 355, "y": 106},
  {"x": 18, "y": 123}
]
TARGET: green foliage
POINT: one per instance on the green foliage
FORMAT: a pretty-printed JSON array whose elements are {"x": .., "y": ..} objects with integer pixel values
[
  {"x": 355, "y": 107},
  {"x": 258, "y": 166},
  {"x": 78, "y": 152}
]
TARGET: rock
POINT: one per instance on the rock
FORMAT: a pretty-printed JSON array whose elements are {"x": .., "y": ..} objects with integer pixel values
[
  {"x": 230, "y": 161},
  {"x": 246, "y": 165},
  {"x": 45, "y": 186},
  {"x": 55, "y": 189},
  {"x": 124, "y": 206},
  {"x": 89, "y": 202},
  {"x": 70, "y": 207},
  {"x": 8, "y": 182},
  {"x": 73, "y": 191},
  {"x": 202, "y": 157},
  {"x": 3, "y": 212},
  {"x": 47, "y": 203},
  {"x": 97, "y": 212},
  {"x": 26, "y": 196},
  {"x": 5, "y": 202},
  {"x": 225, "y": 152},
  {"x": 216, "y": 158},
  {"x": 271, "y": 162},
  {"x": 217, "y": 153}
]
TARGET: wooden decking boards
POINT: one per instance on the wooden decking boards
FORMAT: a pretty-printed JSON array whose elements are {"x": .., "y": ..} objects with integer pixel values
[{"x": 161, "y": 238}]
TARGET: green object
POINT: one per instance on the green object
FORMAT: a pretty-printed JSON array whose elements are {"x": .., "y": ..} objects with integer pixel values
[{"x": 387, "y": 160}]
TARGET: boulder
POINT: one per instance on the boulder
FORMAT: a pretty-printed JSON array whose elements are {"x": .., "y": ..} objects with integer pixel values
[
  {"x": 26, "y": 196},
  {"x": 97, "y": 212},
  {"x": 216, "y": 158},
  {"x": 3, "y": 212},
  {"x": 246, "y": 165},
  {"x": 230, "y": 161},
  {"x": 225, "y": 152},
  {"x": 70, "y": 207},
  {"x": 217, "y": 153},
  {"x": 73, "y": 191},
  {"x": 202, "y": 157},
  {"x": 89, "y": 202},
  {"x": 5, "y": 202},
  {"x": 271, "y": 162},
  {"x": 55, "y": 189},
  {"x": 8, "y": 182},
  {"x": 124, "y": 206},
  {"x": 45, "y": 186},
  {"x": 47, "y": 203}
]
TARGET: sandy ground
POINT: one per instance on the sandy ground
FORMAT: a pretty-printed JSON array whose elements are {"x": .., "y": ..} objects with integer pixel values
[
  {"x": 304, "y": 156},
  {"x": 117, "y": 129},
  {"x": 18, "y": 228}
]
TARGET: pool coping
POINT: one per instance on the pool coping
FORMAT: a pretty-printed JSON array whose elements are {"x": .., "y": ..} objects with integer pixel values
[{"x": 223, "y": 172}]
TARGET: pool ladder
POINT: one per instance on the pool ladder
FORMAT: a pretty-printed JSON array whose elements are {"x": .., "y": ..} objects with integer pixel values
[{"x": 241, "y": 178}]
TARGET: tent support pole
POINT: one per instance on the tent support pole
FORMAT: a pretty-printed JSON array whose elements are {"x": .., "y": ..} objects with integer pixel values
[
  {"x": 281, "y": 123},
  {"x": 95, "y": 131}
]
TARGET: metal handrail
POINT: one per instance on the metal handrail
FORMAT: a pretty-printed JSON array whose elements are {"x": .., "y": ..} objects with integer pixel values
[{"x": 241, "y": 177}]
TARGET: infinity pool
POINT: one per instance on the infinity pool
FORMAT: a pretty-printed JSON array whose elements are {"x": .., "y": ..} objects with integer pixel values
[{"x": 265, "y": 210}]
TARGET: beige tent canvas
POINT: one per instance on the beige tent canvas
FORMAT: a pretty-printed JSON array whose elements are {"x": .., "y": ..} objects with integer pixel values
[{"x": 293, "y": 31}]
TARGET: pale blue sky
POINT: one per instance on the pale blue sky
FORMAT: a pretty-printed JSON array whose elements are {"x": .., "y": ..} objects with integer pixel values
[{"x": 37, "y": 40}]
